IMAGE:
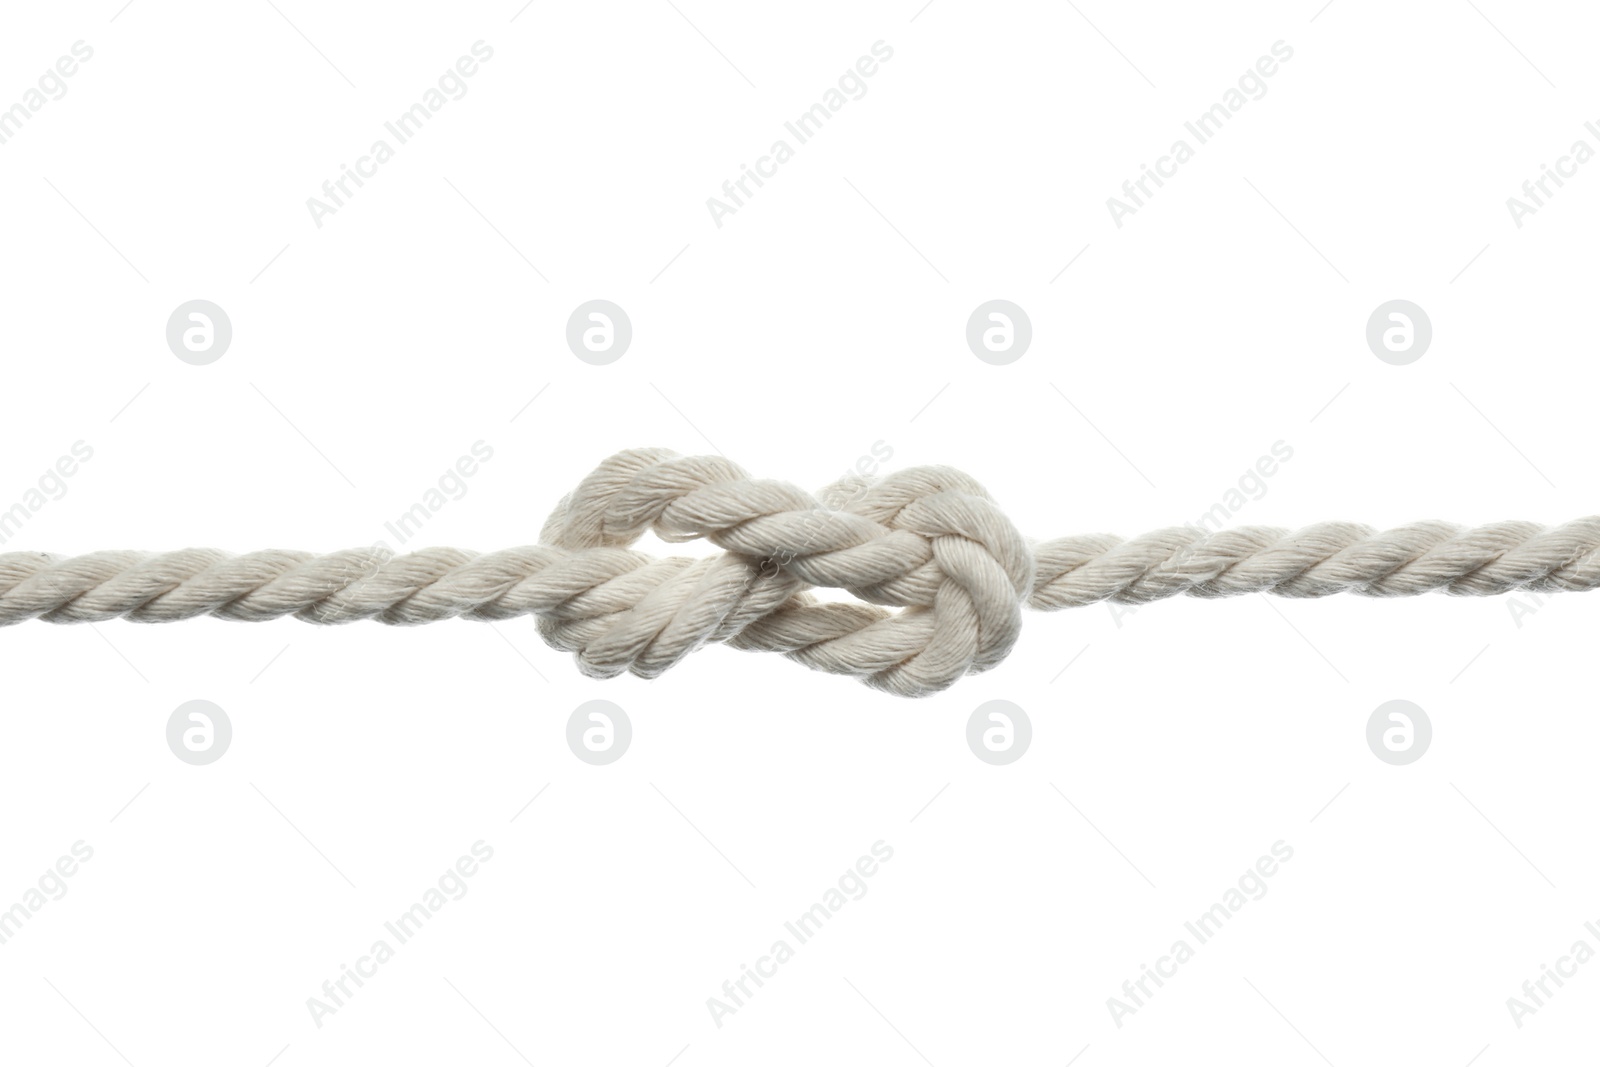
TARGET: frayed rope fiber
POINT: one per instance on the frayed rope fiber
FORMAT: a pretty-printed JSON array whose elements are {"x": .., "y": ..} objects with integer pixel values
[{"x": 929, "y": 541}]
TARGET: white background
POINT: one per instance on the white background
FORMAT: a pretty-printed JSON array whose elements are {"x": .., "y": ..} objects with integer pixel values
[{"x": 827, "y": 315}]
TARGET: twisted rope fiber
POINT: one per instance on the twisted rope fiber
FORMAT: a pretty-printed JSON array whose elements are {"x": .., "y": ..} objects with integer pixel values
[{"x": 928, "y": 540}]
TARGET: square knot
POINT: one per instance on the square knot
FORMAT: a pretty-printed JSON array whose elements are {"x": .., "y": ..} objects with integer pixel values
[{"x": 928, "y": 541}]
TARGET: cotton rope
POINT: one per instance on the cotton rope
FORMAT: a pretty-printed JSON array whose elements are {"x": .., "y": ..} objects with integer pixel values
[{"x": 928, "y": 540}]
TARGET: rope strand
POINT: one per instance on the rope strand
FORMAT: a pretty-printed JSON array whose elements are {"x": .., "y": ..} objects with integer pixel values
[{"x": 928, "y": 541}]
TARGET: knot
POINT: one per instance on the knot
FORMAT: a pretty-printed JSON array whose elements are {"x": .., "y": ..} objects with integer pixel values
[
  {"x": 928, "y": 541},
  {"x": 933, "y": 575}
]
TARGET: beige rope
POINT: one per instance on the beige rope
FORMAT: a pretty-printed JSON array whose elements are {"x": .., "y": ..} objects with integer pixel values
[{"x": 927, "y": 540}]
